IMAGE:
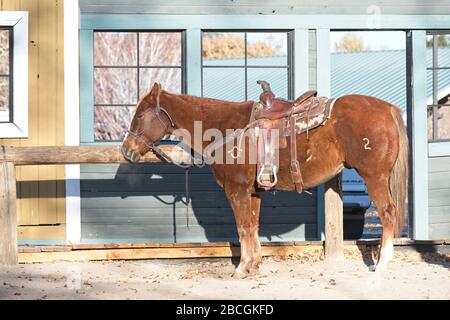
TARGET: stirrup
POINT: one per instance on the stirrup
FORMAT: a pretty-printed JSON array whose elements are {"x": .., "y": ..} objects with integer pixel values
[{"x": 265, "y": 184}]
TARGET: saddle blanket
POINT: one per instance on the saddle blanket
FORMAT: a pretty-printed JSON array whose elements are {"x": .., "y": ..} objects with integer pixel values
[{"x": 321, "y": 108}]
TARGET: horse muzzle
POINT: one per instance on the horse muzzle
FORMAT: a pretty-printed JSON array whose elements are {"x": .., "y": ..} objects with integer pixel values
[{"x": 129, "y": 154}]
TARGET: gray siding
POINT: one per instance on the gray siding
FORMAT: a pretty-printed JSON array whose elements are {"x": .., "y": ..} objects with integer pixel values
[
  {"x": 264, "y": 6},
  {"x": 439, "y": 198},
  {"x": 145, "y": 203},
  {"x": 312, "y": 60}
]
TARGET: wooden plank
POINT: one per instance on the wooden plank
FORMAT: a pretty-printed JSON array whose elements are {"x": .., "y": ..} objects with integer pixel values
[
  {"x": 157, "y": 253},
  {"x": 10, "y": 5},
  {"x": 439, "y": 231},
  {"x": 38, "y": 254},
  {"x": 334, "y": 227},
  {"x": 47, "y": 103},
  {"x": 439, "y": 197},
  {"x": 204, "y": 215},
  {"x": 60, "y": 125},
  {"x": 439, "y": 180},
  {"x": 28, "y": 213},
  {"x": 45, "y": 248},
  {"x": 439, "y": 214},
  {"x": 42, "y": 232},
  {"x": 67, "y": 155},
  {"x": 113, "y": 233},
  {"x": 8, "y": 217},
  {"x": 262, "y": 7},
  {"x": 439, "y": 164},
  {"x": 206, "y": 199}
]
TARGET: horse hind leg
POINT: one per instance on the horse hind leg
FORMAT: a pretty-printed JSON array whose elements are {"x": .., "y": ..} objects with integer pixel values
[{"x": 381, "y": 196}]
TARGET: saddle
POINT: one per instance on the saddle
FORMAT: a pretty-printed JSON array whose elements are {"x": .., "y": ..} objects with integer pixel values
[{"x": 275, "y": 119}]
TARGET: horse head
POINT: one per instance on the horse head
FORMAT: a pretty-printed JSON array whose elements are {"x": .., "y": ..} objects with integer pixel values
[{"x": 149, "y": 125}]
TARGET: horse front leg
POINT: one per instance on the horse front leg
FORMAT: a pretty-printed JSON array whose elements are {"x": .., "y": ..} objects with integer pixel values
[{"x": 246, "y": 207}]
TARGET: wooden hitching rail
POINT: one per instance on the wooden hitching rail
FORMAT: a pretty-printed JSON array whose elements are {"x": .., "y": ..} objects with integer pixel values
[{"x": 23, "y": 156}]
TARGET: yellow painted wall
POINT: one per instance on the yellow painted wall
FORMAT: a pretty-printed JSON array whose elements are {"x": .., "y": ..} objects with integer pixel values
[{"x": 41, "y": 189}]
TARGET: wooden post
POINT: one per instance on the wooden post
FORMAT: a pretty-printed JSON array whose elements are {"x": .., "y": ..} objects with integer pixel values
[
  {"x": 334, "y": 220},
  {"x": 8, "y": 218}
]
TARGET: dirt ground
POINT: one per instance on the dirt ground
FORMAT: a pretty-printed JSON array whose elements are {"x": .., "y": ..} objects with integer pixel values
[{"x": 411, "y": 276}]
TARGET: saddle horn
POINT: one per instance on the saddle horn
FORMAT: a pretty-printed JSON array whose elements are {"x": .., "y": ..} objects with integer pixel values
[
  {"x": 266, "y": 97},
  {"x": 264, "y": 85}
]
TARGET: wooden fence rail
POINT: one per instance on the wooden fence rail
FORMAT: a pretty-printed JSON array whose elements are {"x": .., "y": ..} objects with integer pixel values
[
  {"x": 22, "y": 156},
  {"x": 67, "y": 155}
]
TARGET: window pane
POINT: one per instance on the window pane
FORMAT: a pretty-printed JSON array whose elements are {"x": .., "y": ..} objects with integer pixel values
[
  {"x": 430, "y": 123},
  {"x": 443, "y": 125},
  {"x": 429, "y": 51},
  {"x": 430, "y": 89},
  {"x": 4, "y": 95},
  {"x": 4, "y": 52},
  {"x": 160, "y": 49},
  {"x": 115, "y": 86},
  {"x": 169, "y": 78},
  {"x": 444, "y": 50},
  {"x": 115, "y": 49},
  {"x": 224, "y": 83},
  {"x": 381, "y": 74},
  {"x": 444, "y": 85},
  {"x": 267, "y": 49},
  {"x": 111, "y": 123},
  {"x": 223, "y": 48},
  {"x": 277, "y": 77}
]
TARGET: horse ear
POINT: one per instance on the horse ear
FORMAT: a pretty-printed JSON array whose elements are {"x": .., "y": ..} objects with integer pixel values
[
  {"x": 156, "y": 91},
  {"x": 155, "y": 88}
]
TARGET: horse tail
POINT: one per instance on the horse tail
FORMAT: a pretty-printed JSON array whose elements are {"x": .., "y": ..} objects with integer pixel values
[{"x": 398, "y": 180}]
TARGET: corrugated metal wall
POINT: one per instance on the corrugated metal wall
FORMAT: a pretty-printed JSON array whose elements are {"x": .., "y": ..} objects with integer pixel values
[
  {"x": 439, "y": 197},
  {"x": 41, "y": 189}
]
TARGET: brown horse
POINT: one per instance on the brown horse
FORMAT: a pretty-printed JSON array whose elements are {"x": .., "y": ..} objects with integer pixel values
[{"x": 364, "y": 133}]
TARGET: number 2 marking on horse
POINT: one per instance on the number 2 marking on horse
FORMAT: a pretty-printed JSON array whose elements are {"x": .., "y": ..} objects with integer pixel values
[{"x": 366, "y": 146}]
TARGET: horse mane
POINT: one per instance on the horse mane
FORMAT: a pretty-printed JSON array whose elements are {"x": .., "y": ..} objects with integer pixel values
[{"x": 208, "y": 102}]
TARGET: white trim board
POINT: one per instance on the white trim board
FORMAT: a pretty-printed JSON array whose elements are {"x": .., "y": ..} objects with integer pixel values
[
  {"x": 72, "y": 117},
  {"x": 18, "y": 128},
  {"x": 333, "y": 21},
  {"x": 439, "y": 149}
]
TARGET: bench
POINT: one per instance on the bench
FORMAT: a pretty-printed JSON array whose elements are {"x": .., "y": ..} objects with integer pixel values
[{"x": 277, "y": 119}]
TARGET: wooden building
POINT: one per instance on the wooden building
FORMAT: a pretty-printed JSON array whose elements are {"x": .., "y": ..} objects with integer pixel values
[{"x": 69, "y": 103}]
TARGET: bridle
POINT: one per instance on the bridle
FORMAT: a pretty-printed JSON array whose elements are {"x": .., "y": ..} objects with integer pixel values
[{"x": 138, "y": 135}]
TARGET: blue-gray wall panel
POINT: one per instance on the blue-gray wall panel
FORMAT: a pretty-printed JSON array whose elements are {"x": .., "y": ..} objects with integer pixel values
[
  {"x": 439, "y": 197},
  {"x": 145, "y": 203}
]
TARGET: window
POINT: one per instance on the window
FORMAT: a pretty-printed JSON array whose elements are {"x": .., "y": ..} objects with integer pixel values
[
  {"x": 234, "y": 61},
  {"x": 438, "y": 85},
  {"x": 371, "y": 63},
  {"x": 126, "y": 64},
  {"x": 6, "y": 71},
  {"x": 13, "y": 74}
]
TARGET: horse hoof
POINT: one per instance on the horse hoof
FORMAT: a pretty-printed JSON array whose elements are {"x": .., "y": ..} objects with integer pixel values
[
  {"x": 254, "y": 272},
  {"x": 239, "y": 275}
]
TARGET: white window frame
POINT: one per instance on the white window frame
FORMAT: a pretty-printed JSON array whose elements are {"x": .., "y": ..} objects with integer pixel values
[{"x": 18, "y": 128}]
